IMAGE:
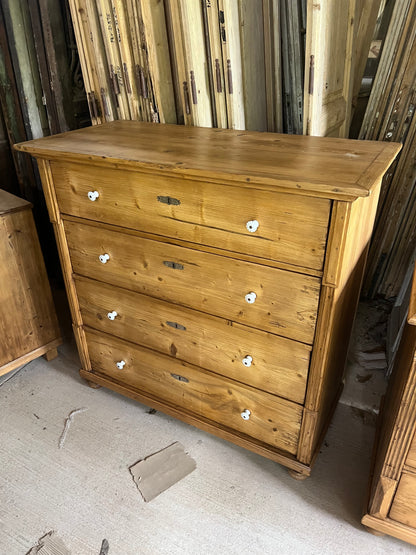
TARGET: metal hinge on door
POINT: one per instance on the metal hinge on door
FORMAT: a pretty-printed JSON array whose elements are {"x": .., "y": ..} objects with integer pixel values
[{"x": 311, "y": 73}]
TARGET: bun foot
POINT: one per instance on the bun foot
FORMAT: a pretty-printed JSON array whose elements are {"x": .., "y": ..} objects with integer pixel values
[
  {"x": 374, "y": 532},
  {"x": 297, "y": 475},
  {"x": 50, "y": 355},
  {"x": 93, "y": 384}
]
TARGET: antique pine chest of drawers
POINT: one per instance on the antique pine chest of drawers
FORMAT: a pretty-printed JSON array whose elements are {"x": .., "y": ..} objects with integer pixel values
[
  {"x": 214, "y": 274},
  {"x": 391, "y": 507}
]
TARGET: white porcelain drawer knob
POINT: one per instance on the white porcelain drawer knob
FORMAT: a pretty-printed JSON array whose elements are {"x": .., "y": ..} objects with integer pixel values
[
  {"x": 251, "y": 297},
  {"x": 252, "y": 226},
  {"x": 245, "y": 415},
  {"x": 120, "y": 365},
  {"x": 112, "y": 315},
  {"x": 247, "y": 360},
  {"x": 104, "y": 258},
  {"x": 93, "y": 195}
]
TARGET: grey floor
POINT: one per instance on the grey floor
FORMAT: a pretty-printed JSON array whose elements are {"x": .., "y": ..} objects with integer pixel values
[{"x": 234, "y": 502}]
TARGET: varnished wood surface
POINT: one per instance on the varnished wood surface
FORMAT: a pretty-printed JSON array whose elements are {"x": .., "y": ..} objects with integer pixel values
[
  {"x": 411, "y": 456},
  {"x": 27, "y": 314},
  {"x": 403, "y": 508},
  {"x": 391, "y": 527},
  {"x": 314, "y": 165},
  {"x": 286, "y": 302},
  {"x": 205, "y": 248},
  {"x": 348, "y": 242},
  {"x": 193, "y": 260},
  {"x": 411, "y": 317},
  {"x": 11, "y": 203},
  {"x": 203, "y": 213},
  {"x": 393, "y": 488},
  {"x": 272, "y": 420},
  {"x": 224, "y": 432},
  {"x": 279, "y": 366},
  {"x": 399, "y": 411},
  {"x": 31, "y": 355}
]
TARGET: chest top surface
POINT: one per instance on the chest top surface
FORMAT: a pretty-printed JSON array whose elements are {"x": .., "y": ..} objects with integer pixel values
[
  {"x": 10, "y": 203},
  {"x": 334, "y": 168}
]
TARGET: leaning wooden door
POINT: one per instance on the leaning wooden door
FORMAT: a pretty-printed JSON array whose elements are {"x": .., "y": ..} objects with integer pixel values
[{"x": 329, "y": 70}]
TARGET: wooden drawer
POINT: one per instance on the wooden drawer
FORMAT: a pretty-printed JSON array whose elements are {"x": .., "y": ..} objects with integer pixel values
[
  {"x": 279, "y": 366},
  {"x": 272, "y": 420},
  {"x": 403, "y": 508},
  {"x": 292, "y": 229},
  {"x": 286, "y": 302}
]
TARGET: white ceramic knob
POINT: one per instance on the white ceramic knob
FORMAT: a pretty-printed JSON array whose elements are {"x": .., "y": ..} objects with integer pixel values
[
  {"x": 120, "y": 365},
  {"x": 93, "y": 195},
  {"x": 252, "y": 226},
  {"x": 245, "y": 415},
  {"x": 112, "y": 315},
  {"x": 247, "y": 360},
  {"x": 251, "y": 297},
  {"x": 104, "y": 258}
]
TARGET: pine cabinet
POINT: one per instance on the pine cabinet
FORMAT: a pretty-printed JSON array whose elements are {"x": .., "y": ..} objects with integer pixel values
[{"x": 214, "y": 274}]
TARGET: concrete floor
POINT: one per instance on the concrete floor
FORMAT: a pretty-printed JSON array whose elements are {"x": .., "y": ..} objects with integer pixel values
[{"x": 234, "y": 502}]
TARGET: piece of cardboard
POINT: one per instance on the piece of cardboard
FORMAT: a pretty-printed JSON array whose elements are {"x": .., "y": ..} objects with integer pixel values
[{"x": 158, "y": 472}]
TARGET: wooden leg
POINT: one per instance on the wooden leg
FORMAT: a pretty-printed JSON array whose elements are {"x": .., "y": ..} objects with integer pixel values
[
  {"x": 375, "y": 532},
  {"x": 297, "y": 475},
  {"x": 50, "y": 355},
  {"x": 93, "y": 385}
]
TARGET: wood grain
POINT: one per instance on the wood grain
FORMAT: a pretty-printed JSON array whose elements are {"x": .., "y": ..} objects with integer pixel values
[
  {"x": 382, "y": 497},
  {"x": 27, "y": 312},
  {"x": 349, "y": 238},
  {"x": 399, "y": 414},
  {"x": 411, "y": 317},
  {"x": 224, "y": 432},
  {"x": 391, "y": 527},
  {"x": 329, "y": 48},
  {"x": 393, "y": 483},
  {"x": 318, "y": 165},
  {"x": 272, "y": 420},
  {"x": 279, "y": 366},
  {"x": 10, "y": 203},
  {"x": 403, "y": 508},
  {"x": 189, "y": 55},
  {"x": 411, "y": 456},
  {"x": 179, "y": 267},
  {"x": 286, "y": 302},
  {"x": 203, "y": 213}
]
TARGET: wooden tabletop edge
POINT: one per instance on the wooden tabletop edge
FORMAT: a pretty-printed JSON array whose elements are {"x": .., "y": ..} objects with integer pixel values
[{"x": 342, "y": 190}]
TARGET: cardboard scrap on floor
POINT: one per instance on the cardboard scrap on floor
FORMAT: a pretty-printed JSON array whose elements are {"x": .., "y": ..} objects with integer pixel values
[
  {"x": 160, "y": 471},
  {"x": 49, "y": 544}
]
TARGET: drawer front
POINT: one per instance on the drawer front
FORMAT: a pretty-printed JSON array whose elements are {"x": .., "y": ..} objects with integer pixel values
[
  {"x": 403, "y": 508},
  {"x": 285, "y": 303},
  {"x": 291, "y": 228},
  {"x": 272, "y": 420},
  {"x": 260, "y": 359}
]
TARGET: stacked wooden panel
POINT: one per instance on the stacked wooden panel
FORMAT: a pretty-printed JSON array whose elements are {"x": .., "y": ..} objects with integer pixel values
[
  {"x": 125, "y": 59},
  {"x": 209, "y": 63},
  {"x": 390, "y": 117},
  {"x": 293, "y": 56},
  {"x": 338, "y": 37}
]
